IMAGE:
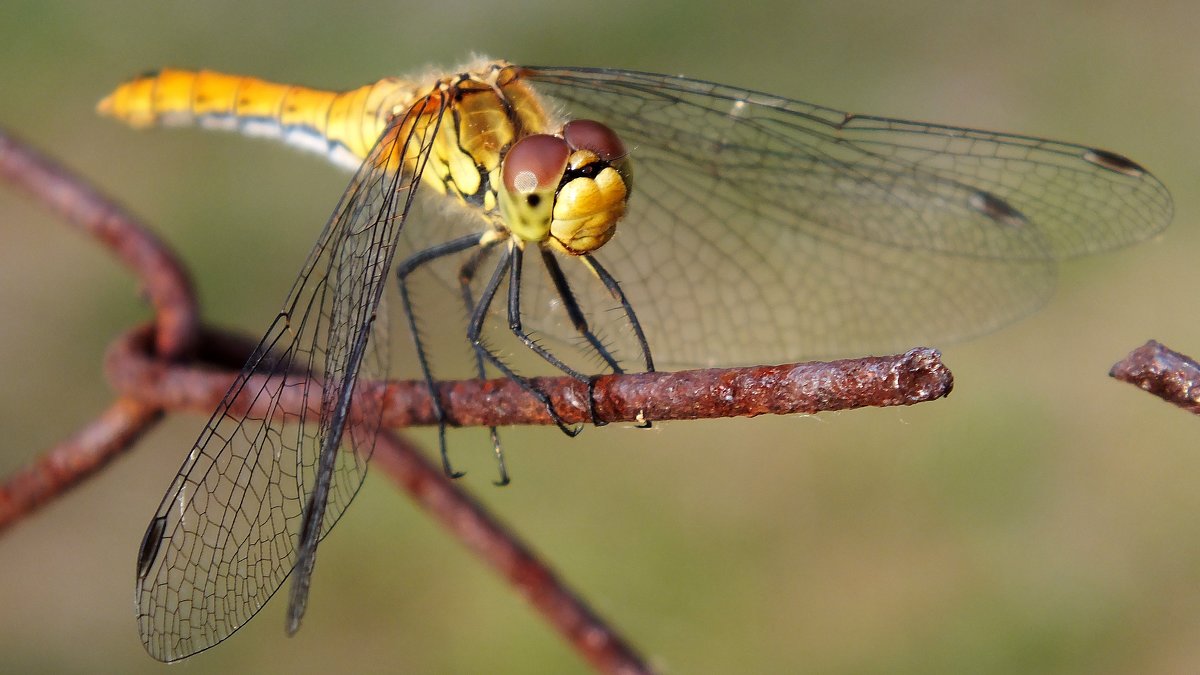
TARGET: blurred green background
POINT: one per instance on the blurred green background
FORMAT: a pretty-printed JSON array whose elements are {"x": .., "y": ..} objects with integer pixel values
[{"x": 1040, "y": 520}]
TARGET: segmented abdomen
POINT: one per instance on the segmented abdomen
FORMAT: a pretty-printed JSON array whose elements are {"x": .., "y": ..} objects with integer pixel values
[{"x": 340, "y": 125}]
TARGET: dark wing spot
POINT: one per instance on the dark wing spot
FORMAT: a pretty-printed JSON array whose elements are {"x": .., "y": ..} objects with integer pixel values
[
  {"x": 533, "y": 200},
  {"x": 1114, "y": 162},
  {"x": 151, "y": 542},
  {"x": 996, "y": 208}
]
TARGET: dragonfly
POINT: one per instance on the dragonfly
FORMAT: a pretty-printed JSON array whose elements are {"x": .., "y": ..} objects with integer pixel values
[{"x": 675, "y": 221}]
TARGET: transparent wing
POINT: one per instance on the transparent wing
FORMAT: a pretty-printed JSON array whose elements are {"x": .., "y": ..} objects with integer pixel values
[
  {"x": 226, "y": 534},
  {"x": 762, "y": 229}
]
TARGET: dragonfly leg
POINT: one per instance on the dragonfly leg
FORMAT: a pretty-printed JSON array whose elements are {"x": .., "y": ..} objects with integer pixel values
[
  {"x": 579, "y": 321},
  {"x": 403, "y": 269},
  {"x": 509, "y": 259},
  {"x": 615, "y": 289},
  {"x": 466, "y": 275}
]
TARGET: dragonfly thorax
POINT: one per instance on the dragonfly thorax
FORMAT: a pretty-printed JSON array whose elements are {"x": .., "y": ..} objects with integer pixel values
[{"x": 567, "y": 190}]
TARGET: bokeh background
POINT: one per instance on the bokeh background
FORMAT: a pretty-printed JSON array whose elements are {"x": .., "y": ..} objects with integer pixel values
[{"x": 1043, "y": 519}]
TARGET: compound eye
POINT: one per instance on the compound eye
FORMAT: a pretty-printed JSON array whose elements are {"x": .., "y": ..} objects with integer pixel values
[
  {"x": 535, "y": 163},
  {"x": 594, "y": 136}
]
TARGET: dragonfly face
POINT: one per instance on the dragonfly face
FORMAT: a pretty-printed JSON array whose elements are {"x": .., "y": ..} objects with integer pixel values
[
  {"x": 762, "y": 230},
  {"x": 568, "y": 190}
]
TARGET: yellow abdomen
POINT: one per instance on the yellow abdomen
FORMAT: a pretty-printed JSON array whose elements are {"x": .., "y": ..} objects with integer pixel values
[
  {"x": 340, "y": 125},
  {"x": 477, "y": 115}
]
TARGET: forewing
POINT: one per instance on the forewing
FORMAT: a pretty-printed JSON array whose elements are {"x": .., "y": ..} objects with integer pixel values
[
  {"x": 225, "y": 536},
  {"x": 762, "y": 229}
]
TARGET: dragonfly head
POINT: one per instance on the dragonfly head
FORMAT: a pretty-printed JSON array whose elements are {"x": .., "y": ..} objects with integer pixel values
[{"x": 568, "y": 190}]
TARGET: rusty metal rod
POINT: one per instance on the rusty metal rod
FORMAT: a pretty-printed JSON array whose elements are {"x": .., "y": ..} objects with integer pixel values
[
  {"x": 168, "y": 288},
  {"x": 163, "y": 277},
  {"x": 904, "y": 379},
  {"x": 1169, "y": 375},
  {"x": 479, "y": 531}
]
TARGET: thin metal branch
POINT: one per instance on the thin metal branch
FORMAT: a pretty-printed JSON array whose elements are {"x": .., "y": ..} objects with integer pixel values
[
  {"x": 163, "y": 277},
  {"x": 459, "y": 513},
  {"x": 1167, "y": 374},
  {"x": 166, "y": 285},
  {"x": 905, "y": 379},
  {"x": 71, "y": 461}
]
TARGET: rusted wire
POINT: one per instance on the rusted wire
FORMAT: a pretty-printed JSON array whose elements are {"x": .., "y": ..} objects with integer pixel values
[
  {"x": 569, "y": 614},
  {"x": 166, "y": 285},
  {"x": 1167, "y": 374},
  {"x": 71, "y": 461},
  {"x": 146, "y": 366},
  {"x": 876, "y": 381},
  {"x": 164, "y": 279}
]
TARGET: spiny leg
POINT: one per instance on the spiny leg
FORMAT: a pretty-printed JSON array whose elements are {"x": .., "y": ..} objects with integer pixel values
[
  {"x": 571, "y": 305},
  {"x": 514, "y": 318},
  {"x": 615, "y": 289},
  {"x": 466, "y": 274},
  {"x": 510, "y": 258},
  {"x": 403, "y": 269}
]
